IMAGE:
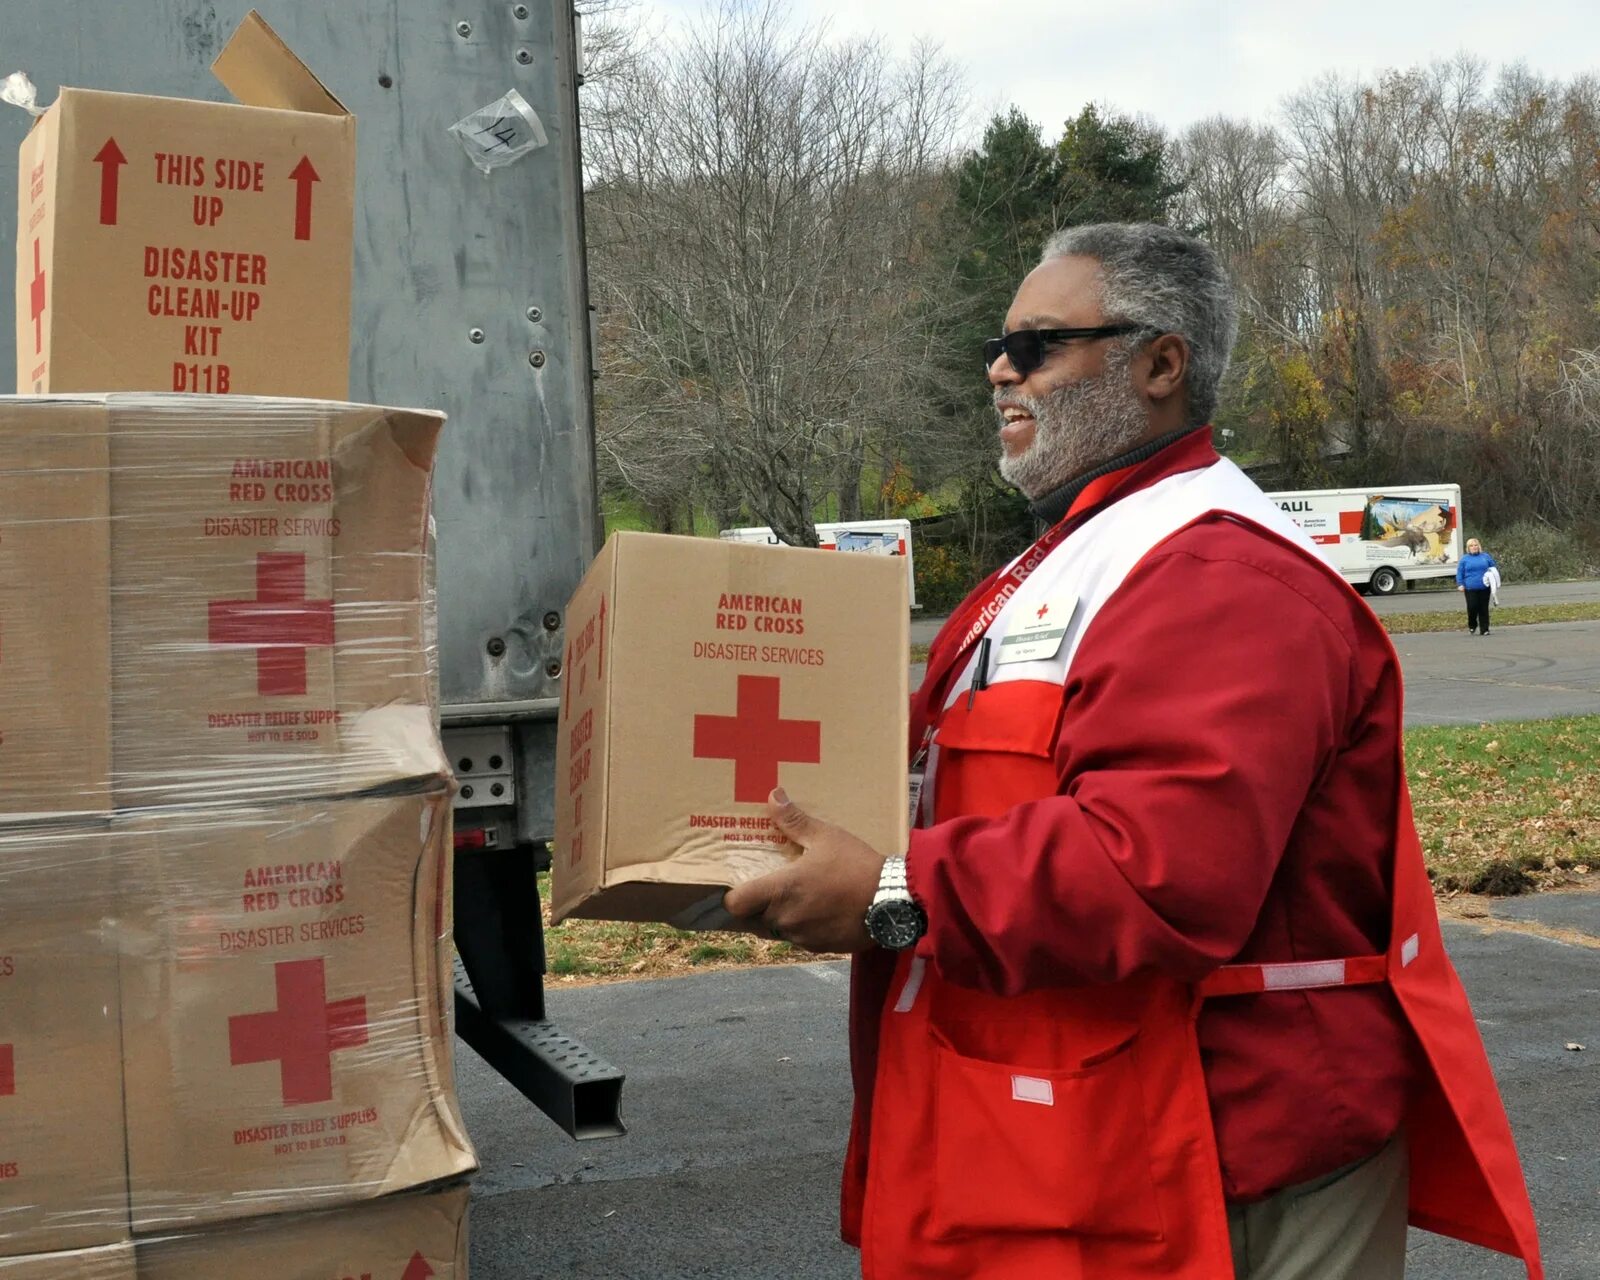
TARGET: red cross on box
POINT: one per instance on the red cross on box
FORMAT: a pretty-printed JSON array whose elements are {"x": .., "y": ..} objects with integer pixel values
[
  {"x": 302, "y": 1034},
  {"x": 280, "y": 624},
  {"x": 8, "y": 1071},
  {"x": 1043, "y": 609},
  {"x": 757, "y": 739},
  {"x": 36, "y": 299}
]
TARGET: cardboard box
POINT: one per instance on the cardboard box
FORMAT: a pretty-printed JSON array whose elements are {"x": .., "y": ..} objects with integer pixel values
[
  {"x": 412, "y": 1237},
  {"x": 114, "y": 1262},
  {"x": 55, "y": 590},
  {"x": 63, "y": 1180},
  {"x": 171, "y": 245},
  {"x": 252, "y": 573},
  {"x": 699, "y": 675},
  {"x": 285, "y": 1030}
]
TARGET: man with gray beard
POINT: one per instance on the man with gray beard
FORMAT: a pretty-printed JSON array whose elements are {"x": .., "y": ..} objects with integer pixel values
[{"x": 1156, "y": 990}]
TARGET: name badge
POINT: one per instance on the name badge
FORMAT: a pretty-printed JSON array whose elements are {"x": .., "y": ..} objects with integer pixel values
[{"x": 1037, "y": 635}]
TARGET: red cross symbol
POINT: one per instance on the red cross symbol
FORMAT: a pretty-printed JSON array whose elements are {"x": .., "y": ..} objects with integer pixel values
[
  {"x": 302, "y": 1034},
  {"x": 8, "y": 1071},
  {"x": 1043, "y": 609},
  {"x": 37, "y": 298},
  {"x": 280, "y": 624},
  {"x": 756, "y": 739}
]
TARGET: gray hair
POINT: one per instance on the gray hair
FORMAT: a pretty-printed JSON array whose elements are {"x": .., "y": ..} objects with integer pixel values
[{"x": 1154, "y": 276}]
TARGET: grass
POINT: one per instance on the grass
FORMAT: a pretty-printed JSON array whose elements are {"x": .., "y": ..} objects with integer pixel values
[
  {"x": 601, "y": 950},
  {"x": 1404, "y": 624},
  {"x": 1510, "y": 807}
]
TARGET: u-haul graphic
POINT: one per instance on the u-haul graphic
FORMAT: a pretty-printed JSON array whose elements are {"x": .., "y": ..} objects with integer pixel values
[{"x": 1379, "y": 539}]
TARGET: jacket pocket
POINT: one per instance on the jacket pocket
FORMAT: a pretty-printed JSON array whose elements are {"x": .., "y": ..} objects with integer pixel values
[
  {"x": 998, "y": 751},
  {"x": 1030, "y": 1150}
]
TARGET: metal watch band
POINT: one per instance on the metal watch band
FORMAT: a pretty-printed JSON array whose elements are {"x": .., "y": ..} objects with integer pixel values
[{"x": 892, "y": 882}]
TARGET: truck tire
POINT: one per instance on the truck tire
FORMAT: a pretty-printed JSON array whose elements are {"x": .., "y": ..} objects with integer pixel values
[{"x": 1385, "y": 582}]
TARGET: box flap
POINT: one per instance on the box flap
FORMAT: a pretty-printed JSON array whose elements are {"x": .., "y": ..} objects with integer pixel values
[{"x": 259, "y": 70}]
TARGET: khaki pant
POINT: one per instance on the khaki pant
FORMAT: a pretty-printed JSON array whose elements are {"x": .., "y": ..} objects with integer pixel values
[{"x": 1349, "y": 1225}]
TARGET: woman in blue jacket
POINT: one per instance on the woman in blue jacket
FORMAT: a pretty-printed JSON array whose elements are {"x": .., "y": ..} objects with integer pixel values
[{"x": 1469, "y": 578}]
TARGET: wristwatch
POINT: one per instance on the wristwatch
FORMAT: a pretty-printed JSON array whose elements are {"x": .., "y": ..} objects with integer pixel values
[{"x": 895, "y": 920}]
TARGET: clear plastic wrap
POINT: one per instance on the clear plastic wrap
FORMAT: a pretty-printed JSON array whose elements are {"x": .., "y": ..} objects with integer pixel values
[
  {"x": 225, "y": 840},
  {"x": 211, "y": 598}
]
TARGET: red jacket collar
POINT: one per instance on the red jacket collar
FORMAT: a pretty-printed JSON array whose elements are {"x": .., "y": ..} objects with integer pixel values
[{"x": 1190, "y": 453}]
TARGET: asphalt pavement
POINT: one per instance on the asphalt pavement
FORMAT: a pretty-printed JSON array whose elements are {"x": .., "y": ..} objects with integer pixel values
[{"x": 737, "y": 1102}]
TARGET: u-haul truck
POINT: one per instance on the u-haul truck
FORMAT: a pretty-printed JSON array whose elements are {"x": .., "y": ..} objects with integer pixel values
[
  {"x": 1379, "y": 538},
  {"x": 870, "y": 537}
]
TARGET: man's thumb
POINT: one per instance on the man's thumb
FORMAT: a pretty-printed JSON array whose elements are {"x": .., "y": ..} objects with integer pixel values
[{"x": 790, "y": 818}]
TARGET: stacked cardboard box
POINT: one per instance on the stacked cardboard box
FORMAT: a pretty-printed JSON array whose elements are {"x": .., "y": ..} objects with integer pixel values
[
  {"x": 225, "y": 801},
  {"x": 224, "y": 809}
]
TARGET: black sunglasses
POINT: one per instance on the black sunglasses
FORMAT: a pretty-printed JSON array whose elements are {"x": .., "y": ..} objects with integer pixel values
[{"x": 1025, "y": 348}]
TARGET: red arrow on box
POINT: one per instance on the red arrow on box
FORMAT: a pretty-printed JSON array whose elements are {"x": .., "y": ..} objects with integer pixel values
[
  {"x": 303, "y": 174},
  {"x": 417, "y": 1268},
  {"x": 8, "y": 1071},
  {"x": 601, "y": 673},
  {"x": 110, "y": 159}
]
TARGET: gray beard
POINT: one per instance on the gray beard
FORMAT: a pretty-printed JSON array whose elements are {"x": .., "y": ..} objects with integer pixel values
[{"x": 1076, "y": 428}]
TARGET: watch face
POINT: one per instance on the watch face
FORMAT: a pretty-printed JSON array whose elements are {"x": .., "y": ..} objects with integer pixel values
[{"x": 896, "y": 924}]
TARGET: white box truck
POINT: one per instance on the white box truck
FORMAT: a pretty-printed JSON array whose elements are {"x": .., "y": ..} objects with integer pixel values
[
  {"x": 1379, "y": 538},
  {"x": 869, "y": 537}
]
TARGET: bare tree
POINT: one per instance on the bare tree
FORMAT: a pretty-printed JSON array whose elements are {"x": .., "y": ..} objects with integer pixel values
[{"x": 761, "y": 208}]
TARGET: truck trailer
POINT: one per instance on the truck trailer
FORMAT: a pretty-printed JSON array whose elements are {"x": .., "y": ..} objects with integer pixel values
[
  {"x": 470, "y": 296},
  {"x": 1381, "y": 538}
]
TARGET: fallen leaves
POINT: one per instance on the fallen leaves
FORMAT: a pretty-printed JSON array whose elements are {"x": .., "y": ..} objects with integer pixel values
[{"x": 1508, "y": 808}]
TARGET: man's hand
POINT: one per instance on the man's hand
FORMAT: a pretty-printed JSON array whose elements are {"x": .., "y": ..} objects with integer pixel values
[{"x": 820, "y": 901}]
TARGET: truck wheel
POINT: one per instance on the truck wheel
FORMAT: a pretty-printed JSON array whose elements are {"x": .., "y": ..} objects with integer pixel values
[{"x": 1385, "y": 582}]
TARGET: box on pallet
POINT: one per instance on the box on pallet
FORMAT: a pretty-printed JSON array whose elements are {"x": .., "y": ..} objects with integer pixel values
[
  {"x": 207, "y": 597},
  {"x": 285, "y": 1030},
  {"x": 171, "y": 245},
  {"x": 699, "y": 676},
  {"x": 63, "y": 1181},
  {"x": 410, "y": 1237}
]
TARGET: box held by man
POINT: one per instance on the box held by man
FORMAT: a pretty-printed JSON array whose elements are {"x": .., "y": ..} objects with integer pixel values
[{"x": 699, "y": 676}]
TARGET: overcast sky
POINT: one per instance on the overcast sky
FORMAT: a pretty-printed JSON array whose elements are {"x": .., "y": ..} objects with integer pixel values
[{"x": 1182, "y": 60}]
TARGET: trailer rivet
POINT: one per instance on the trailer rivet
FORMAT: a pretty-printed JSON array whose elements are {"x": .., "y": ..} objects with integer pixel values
[
  {"x": 536, "y": 359},
  {"x": 524, "y": 56},
  {"x": 519, "y": 11},
  {"x": 463, "y": 29},
  {"x": 552, "y": 620},
  {"x": 535, "y": 315},
  {"x": 552, "y": 668},
  {"x": 474, "y": 335},
  {"x": 496, "y": 647}
]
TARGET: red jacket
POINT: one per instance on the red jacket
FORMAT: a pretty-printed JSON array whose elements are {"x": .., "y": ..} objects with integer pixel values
[{"x": 1227, "y": 794}]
